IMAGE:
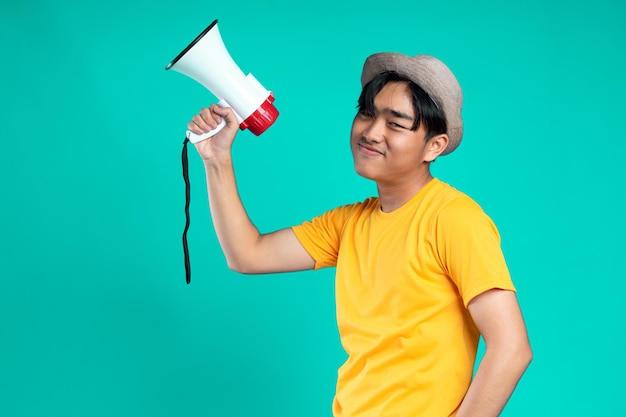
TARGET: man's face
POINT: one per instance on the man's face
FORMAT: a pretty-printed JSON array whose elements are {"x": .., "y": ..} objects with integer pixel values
[{"x": 384, "y": 147}]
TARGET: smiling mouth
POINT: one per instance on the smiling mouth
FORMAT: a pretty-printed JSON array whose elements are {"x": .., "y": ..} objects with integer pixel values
[{"x": 368, "y": 150}]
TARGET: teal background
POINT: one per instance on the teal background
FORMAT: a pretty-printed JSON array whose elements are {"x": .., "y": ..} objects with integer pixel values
[{"x": 95, "y": 315}]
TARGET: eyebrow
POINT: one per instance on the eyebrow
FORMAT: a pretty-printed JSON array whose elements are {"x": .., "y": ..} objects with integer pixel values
[{"x": 398, "y": 114}]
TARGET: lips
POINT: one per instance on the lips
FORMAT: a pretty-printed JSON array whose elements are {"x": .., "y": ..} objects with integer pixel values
[{"x": 368, "y": 149}]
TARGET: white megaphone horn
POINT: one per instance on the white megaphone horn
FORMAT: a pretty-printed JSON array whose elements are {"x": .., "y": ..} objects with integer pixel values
[{"x": 207, "y": 61}]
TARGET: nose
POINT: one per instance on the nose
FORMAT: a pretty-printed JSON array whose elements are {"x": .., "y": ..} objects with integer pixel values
[{"x": 374, "y": 131}]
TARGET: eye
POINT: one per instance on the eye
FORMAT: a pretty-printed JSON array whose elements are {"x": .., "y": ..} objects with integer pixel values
[
  {"x": 397, "y": 126},
  {"x": 365, "y": 115}
]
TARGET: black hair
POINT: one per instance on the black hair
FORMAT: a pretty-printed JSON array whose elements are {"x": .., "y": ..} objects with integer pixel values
[{"x": 426, "y": 110}]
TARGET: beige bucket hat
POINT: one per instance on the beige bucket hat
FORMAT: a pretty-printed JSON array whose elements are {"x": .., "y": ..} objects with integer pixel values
[{"x": 433, "y": 76}]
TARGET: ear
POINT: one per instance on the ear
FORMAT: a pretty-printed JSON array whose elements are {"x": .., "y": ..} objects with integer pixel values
[{"x": 435, "y": 146}]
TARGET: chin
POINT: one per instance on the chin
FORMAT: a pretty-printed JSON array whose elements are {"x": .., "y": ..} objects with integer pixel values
[{"x": 364, "y": 172}]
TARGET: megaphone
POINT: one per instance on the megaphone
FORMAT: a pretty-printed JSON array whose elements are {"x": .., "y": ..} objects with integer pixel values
[{"x": 207, "y": 61}]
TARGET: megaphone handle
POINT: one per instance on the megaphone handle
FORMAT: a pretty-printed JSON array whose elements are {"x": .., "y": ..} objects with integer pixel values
[{"x": 194, "y": 138}]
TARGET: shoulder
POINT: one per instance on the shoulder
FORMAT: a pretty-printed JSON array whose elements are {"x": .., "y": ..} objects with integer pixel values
[
  {"x": 355, "y": 209},
  {"x": 451, "y": 201},
  {"x": 457, "y": 211},
  {"x": 339, "y": 216}
]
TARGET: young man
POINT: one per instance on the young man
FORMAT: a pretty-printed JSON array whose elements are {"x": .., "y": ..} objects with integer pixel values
[{"x": 420, "y": 274}]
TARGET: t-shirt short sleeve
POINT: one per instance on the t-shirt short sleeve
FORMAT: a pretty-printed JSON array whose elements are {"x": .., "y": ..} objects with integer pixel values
[
  {"x": 469, "y": 249},
  {"x": 321, "y": 236}
]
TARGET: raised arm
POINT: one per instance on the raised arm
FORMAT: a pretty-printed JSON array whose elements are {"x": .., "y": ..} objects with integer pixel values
[{"x": 246, "y": 250}]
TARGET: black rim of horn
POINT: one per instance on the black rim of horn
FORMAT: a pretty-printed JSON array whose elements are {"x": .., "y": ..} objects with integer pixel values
[{"x": 195, "y": 41}]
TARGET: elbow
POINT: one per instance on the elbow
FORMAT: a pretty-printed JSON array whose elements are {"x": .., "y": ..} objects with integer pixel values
[
  {"x": 526, "y": 355},
  {"x": 524, "y": 350},
  {"x": 521, "y": 356},
  {"x": 240, "y": 266},
  {"x": 515, "y": 357},
  {"x": 235, "y": 266}
]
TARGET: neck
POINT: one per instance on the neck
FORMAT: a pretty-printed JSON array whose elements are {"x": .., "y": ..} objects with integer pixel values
[{"x": 394, "y": 196}]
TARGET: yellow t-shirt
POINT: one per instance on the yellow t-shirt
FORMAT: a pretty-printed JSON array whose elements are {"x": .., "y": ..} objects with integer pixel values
[{"x": 403, "y": 282}]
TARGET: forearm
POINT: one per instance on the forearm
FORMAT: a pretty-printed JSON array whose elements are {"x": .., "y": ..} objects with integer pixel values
[
  {"x": 494, "y": 382},
  {"x": 246, "y": 250},
  {"x": 235, "y": 231}
]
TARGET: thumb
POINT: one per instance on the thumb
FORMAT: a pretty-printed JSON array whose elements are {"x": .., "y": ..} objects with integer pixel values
[{"x": 229, "y": 116}]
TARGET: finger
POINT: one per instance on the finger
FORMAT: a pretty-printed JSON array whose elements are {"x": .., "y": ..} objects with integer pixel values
[
  {"x": 199, "y": 125},
  {"x": 215, "y": 109},
  {"x": 226, "y": 113},
  {"x": 210, "y": 117}
]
